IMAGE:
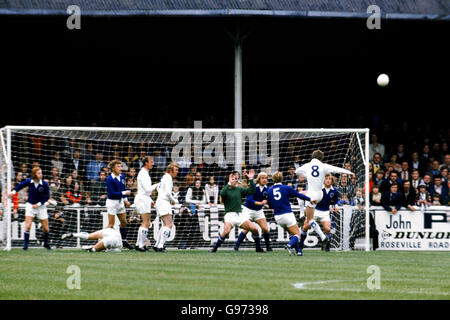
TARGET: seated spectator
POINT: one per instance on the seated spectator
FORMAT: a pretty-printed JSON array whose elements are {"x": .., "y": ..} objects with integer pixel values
[
  {"x": 76, "y": 163},
  {"x": 76, "y": 178},
  {"x": 177, "y": 194},
  {"x": 20, "y": 197},
  {"x": 446, "y": 160},
  {"x": 416, "y": 163},
  {"x": 444, "y": 174},
  {"x": 427, "y": 181},
  {"x": 375, "y": 196},
  {"x": 94, "y": 167},
  {"x": 195, "y": 196},
  {"x": 54, "y": 181},
  {"x": 377, "y": 163},
  {"x": 291, "y": 177},
  {"x": 375, "y": 147},
  {"x": 99, "y": 190},
  {"x": 435, "y": 168},
  {"x": 415, "y": 179},
  {"x": 344, "y": 200},
  {"x": 359, "y": 199},
  {"x": 131, "y": 160},
  {"x": 393, "y": 178},
  {"x": 378, "y": 179},
  {"x": 190, "y": 177},
  {"x": 75, "y": 197},
  {"x": 392, "y": 200},
  {"x": 436, "y": 200},
  {"x": 404, "y": 172},
  {"x": 56, "y": 162},
  {"x": 423, "y": 197},
  {"x": 440, "y": 189},
  {"x": 393, "y": 162},
  {"x": 198, "y": 176},
  {"x": 131, "y": 185},
  {"x": 401, "y": 155},
  {"x": 409, "y": 195},
  {"x": 159, "y": 160},
  {"x": 24, "y": 170},
  {"x": 66, "y": 187},
  {"x": 212, "y": 192},
  {"x": 345, "y": 188}
]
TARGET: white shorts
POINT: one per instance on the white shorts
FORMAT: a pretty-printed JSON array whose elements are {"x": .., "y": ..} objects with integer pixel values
[
  {"x": 143, "y": 204},
  {"x": 320, "y": 215},
  {"x": 163, "y": 208},
  {"x": 236, "y": 218},
  {"x": 115, "y": 206},
  {"x": 285, "y": 220},
  {"x": 40, "y": 212},
  {"x": 254, "y": 214},
  {"x": 111, "y": 239},
  {"x": 314, "y": 196}
]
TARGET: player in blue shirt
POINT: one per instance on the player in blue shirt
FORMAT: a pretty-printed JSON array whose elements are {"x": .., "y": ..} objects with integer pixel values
[
  {"x": 117, "y": 199},
  {"x": 38, "y": 195},
  {"x": 279, "y": 195},
  {"x": 253, "y": 206},
  {"x": 322, "y": 213}
]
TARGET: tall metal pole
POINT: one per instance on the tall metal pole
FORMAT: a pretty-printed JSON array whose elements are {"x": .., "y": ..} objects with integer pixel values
[
  {"x": 8, "y": 189},
  {"x": 238, "y": 101},
  {"x": 366, "y": 182}
]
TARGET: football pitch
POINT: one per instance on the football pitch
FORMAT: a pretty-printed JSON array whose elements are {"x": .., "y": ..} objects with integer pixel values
[{"x": 244, "y": 275}]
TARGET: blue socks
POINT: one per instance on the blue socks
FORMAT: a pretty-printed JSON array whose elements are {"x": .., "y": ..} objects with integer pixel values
[
  {"x": 26, "y": 236},
  {"x": 293, "y": 241},
  {"x": 303, "y": 235},
  {"x": 218, "y": 243},
  {"x": 241, "y": 238}
]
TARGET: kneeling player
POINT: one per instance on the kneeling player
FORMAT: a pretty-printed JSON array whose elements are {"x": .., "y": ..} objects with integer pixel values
[
  {"x": 279, "y": 195},
  {"x": 322, "y": 212},
  {"x": 109, "y": 239}
]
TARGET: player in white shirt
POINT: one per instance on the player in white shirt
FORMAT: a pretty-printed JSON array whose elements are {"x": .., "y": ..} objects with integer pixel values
[
  {"x": 164, "y": 204},
  {"x": 143, "y": 201},
  {"x": 109, "y": 239},
  {"x": 315, "y": 172}
]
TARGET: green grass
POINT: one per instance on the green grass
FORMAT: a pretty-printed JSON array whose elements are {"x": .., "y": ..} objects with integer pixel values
[{"x": 196, "y": 274}]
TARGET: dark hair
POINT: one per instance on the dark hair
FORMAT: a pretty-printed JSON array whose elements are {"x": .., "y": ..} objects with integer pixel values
[
  {"x": 317, "y": 154},
  {"x": 394, "y": 185},
  {"x": 146, "y": 159}
]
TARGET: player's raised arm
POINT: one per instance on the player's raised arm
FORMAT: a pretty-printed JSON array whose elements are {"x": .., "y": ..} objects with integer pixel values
[
  {"x": 295, "y": 193},
  {"x": 251, "y": 188},
  {"x": 332, "y": 169},
  {"x": 301, "y": 171}
]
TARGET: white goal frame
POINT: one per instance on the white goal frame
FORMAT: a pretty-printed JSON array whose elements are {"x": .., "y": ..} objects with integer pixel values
[{"x": 7, "y": 155}]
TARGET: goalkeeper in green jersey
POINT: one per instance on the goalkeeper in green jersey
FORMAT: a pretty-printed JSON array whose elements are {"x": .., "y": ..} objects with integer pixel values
[{"x": 232, "y": 196}]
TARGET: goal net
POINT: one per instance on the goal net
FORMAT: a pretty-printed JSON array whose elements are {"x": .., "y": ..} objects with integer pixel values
[{"x": 74, "y": 162}]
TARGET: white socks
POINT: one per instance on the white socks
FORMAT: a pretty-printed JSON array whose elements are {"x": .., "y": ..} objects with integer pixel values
[
  {"x": 163, "y": 235},
  {"x": 317, "y": 229},
  {"x": 142, "y": 237},
  {"x": 82, "y": 235}
]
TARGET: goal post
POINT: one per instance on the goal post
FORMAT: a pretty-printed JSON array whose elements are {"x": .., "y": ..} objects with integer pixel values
[{"x": 74, "y": 161}]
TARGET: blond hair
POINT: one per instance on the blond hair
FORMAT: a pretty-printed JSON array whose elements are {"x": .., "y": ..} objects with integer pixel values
[
  {"x": 34, "y": 172},
  {"x": 277, "y": 177},
  {"x": 113, "y": 163},
  {"x": 171, "y": 166},
  {"x": 260, "y": 175}
]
